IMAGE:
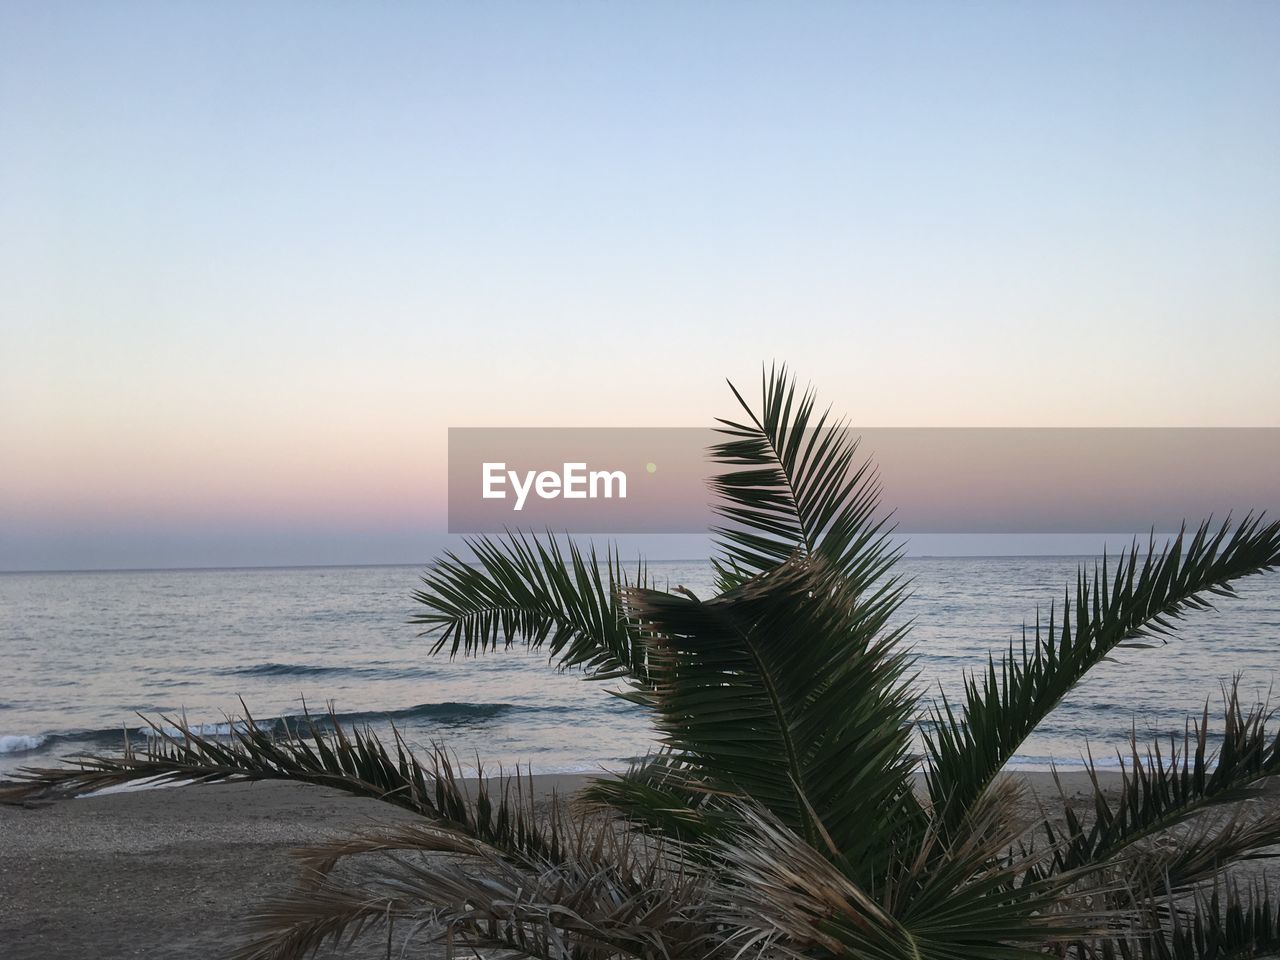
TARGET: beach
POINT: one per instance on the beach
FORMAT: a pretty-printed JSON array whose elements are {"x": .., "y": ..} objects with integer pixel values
[
  {"x": 168, "y": 873},
  {"x": 173, "y": 873}
]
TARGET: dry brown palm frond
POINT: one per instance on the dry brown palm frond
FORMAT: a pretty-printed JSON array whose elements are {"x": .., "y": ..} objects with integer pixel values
[
  {"x": 606, "y": 896},
  {"x": 1185, "y": 859},
  {"x": 585, "y": 832},
  {"x": 966, "y": 897}
]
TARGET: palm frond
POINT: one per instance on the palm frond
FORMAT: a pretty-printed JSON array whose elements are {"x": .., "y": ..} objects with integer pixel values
[
  {"x": 1191, "y": 858},
  {"x": 667, "y": 795},
  {"x": 330, "y": 913},
  {"x": 542, "y": 885},
  {"x": 1004, "y": 704},
  {"x": 322, "y": 753},
  {"x": 798, "y": 486},
  {"x": 606, "y": 895},
  {"x": 1236, "y": 924},
  {"x": 536, "y": 591},
  {"x": 963, "y": 902},
  {"x": 1158, "y": 792},
  {"x": 1230, "y": 923},
  {"x": 790, "y": 692}
]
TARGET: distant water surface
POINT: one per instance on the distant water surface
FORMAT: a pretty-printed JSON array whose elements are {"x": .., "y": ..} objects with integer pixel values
[{"x": 83, "y": 654}]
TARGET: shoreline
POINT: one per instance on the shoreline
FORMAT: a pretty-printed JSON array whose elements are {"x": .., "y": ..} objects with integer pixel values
[
  {"x": 51, "y": 750},
  {"x": 173, "y": 872}
]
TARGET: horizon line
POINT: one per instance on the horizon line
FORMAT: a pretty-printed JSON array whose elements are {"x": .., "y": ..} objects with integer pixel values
[{"x": 227, "y": 568}]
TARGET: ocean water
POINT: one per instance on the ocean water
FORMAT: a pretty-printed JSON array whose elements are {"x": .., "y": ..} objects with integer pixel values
[{"x": 83, "y": 654}]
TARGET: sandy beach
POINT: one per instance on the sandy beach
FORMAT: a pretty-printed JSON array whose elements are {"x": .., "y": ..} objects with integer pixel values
[{"x": 172, "y": 873}]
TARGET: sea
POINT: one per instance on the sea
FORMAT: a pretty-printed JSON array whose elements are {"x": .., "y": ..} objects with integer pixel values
[{"x": 84, "y": 657}]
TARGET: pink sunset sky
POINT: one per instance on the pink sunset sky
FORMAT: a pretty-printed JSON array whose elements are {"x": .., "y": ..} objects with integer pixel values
[{"x": 257, "y": 260}]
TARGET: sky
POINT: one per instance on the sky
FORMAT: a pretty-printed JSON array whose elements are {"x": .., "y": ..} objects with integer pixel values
[{"x": 256, "y": 259}]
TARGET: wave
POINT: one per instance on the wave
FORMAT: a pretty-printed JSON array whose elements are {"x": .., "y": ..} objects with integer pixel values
[
  {"x": 282, "y": 670},
  {"x": 1031, "y": 762},
  {"x": 21, "y": 743},
  {"x": 449, "y": 713},
  {"x": 441, "y": 713},
  {"x": 315, "y": 670}
]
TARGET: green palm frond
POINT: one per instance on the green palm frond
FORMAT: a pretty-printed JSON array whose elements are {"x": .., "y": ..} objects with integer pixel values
[
  {"x": 667, "y": 795},
  {"x": 798, "y": 485},
  {"x": 1158, "y": 792},
  {"x": 1004, "y": 704},
  {"x": 1232, "y": 922},
  {"x": 533, "y": 590},
  {"x": 788, "y": 691},
  {"x": 322, "y": 753},
  {"x": 1242, "y": 922}
]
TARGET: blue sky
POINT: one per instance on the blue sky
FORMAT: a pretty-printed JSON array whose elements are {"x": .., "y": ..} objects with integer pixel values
[{"x": 257, "y": 258}]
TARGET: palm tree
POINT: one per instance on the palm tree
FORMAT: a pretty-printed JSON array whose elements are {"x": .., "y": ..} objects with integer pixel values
[{"x": 782, "y": 815}]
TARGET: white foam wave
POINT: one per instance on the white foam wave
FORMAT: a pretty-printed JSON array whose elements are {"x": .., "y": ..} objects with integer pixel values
[
  {"x": 1064, "y": 763},
  {"x": 20, "y": 742},
  {"x": 204, "y": 729}
]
